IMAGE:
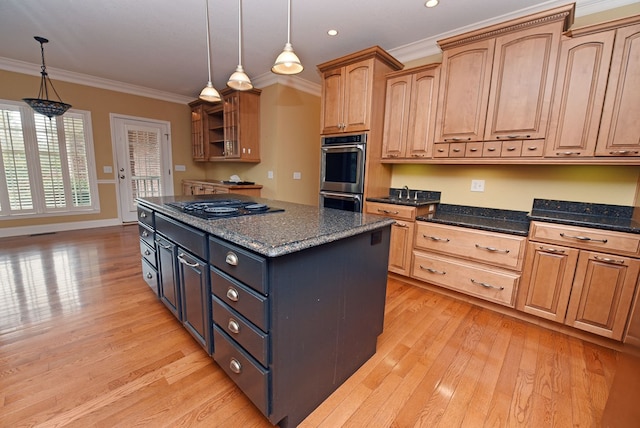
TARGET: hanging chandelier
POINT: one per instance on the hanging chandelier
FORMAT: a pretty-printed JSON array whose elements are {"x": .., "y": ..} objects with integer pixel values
[{"x": 45, "y": 106}]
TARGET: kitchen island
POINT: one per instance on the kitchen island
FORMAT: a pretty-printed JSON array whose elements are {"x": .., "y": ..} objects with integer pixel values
[{"x": 289, "y": 302}]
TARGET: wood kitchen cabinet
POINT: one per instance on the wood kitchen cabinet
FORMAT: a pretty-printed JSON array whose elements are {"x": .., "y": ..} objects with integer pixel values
[
  {"x": 582, "y": 277},
  {"x": 410, "y": 113},
  {"x": 352, "y": 87},
  {"x": 214, "y": 187},
  {"x": 497, "y": 82},
  {"x": 402, "y": 231},
  {"x": 227, "y": 131}
]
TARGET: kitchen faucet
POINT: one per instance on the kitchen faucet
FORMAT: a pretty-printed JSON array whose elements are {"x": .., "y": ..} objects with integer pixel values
[{"x": 407, "y": 189}]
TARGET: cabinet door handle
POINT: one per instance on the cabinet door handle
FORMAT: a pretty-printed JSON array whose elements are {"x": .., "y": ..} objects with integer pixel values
[
  {"x": 143, "y": 214},
  {"x": 234, "y": 326},
  {"x": 550, "y": 250},
  {"x": 485, "y": 285},
  {"x": 608, "y": 260},
  {"x": 147, "y": 252},
  {"x": 149, "y": 275},
  {"x": 145, "y": 234},
  {"x": 231, "y": 259},
  {"x": 430, "y": 270},
  {"x": 182, "y": 260},
  {"x": 435, "y": 238},
  {"x": 584, "y": 238},
  {"x": 232, "y": 294},
  {"x": 380, "y": 210},
  {"x": 166, "y": 247},
  {"x": 400, "y": 224},
  {"x": 235, "y": 366},
  {"x": 492, "y": 249}
]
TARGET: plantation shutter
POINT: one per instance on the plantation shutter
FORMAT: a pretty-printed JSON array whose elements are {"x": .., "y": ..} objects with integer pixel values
[
  {"x": 18, "y": 193},
  {"x": 144, "y": 162}
]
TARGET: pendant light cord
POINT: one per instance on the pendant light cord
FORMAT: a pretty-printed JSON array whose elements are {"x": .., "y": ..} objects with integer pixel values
[
  {"x": 208, "y": 42},
  {"x": 289, "y": 22},
  {"x": 240, "y": 32}
]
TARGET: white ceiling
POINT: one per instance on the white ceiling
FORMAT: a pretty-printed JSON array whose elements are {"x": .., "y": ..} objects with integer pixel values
[{"x": 161, "y": 44}]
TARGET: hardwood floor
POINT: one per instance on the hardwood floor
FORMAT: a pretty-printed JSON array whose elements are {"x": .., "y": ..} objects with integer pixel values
[{"x": 84, "y": 343}]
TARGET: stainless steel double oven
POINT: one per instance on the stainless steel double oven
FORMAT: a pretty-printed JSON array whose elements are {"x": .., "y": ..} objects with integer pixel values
[{"x": 342, "y": 171}]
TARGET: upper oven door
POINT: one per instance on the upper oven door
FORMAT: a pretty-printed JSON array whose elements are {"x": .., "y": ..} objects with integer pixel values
[{"x": 342, "y": 168}]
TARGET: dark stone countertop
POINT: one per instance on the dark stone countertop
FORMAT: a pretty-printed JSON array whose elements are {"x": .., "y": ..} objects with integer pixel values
[
  {"x": 420, "y": 198},
  {"x": 275, "y": 234},
  {"x": 599, "y": 216},
  {"x": 490, "y": 219}
]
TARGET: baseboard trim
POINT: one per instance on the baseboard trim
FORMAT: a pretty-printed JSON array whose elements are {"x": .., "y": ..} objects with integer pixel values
[{"x": 56, "y": 227}]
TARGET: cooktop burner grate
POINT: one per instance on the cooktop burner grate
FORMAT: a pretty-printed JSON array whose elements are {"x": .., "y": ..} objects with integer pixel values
[{"x": 220, "y": 208}]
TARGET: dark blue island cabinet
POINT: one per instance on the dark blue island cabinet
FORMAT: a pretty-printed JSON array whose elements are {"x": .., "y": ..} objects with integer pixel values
[
  {"x": 290, "y": 330},
  {"x": 289, "y": 304}
]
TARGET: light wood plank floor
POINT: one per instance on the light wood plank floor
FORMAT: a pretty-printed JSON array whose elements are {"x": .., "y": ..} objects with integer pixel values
[{"x": 84, "y": 343}]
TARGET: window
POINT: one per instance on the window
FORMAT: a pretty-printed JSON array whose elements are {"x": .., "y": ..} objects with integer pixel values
[{"x": 47, "y": 164}]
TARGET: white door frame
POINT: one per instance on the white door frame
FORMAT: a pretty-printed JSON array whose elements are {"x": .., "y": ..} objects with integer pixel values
[{"x": 117, "y": 122}]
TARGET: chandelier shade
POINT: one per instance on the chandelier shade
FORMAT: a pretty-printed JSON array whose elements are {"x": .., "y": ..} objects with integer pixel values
[{"x": 45, "y": 106}]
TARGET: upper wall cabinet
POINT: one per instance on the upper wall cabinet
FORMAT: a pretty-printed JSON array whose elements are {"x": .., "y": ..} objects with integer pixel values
[
  {"x": 410, "y": 113},
  {"x": 497, "y": 82},
  {"x": 348, "y": 88},
  {"x": 227, "y": 131}
]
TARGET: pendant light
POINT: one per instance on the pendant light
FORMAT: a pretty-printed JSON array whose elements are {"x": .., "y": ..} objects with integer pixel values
[
  {"x": 287, "y": 62},
  {"x": 239, "y": 79},
  {"x": 41, "y": 105},
  {"x": 209, "y": 93}
]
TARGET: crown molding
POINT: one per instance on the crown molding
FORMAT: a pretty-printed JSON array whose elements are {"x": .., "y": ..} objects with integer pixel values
[
  {"x": 429, "y": 46},
  {"x": 295, "y": 82}
]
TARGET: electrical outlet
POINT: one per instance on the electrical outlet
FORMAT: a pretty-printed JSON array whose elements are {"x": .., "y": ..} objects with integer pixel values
[
  {"x": 297, "y": 175},
  {"x": 180, "y": 168},
  {"x": 270, "y": 174},
  {"x": 477, "y": 185}
]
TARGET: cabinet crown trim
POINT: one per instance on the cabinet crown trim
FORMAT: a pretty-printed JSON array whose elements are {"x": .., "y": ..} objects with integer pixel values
[
  {"x": 603, "y": 26},
  {"x": 563, "y": 13},
  {"x": 372, "y": 52}
]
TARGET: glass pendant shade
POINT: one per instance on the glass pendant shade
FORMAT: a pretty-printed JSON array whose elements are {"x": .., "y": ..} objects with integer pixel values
[
  {"x": 209, "y": 93},
  {"x": 287, "y": 62},
  {"x": 239, "y": 79},
  {"x": 41, "y": 105}
]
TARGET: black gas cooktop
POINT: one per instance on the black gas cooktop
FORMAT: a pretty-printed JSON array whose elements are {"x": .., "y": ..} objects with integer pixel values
[{"x": 222, "y": 208}]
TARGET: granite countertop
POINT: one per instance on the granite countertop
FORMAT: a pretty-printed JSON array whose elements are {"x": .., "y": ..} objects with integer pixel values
[
  {"x": 275, "y": 234},
  {"x": 598, "y": 216},
  {"x": 490, "y": 219},
  {"x": 420, "y": 197},
  {"x": 229, "y": 184}
]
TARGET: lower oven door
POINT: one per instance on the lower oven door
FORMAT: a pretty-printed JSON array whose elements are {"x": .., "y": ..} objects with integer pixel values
[{"x": 341, "y": 201}]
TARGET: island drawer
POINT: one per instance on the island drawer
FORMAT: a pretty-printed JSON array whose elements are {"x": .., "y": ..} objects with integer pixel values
[
  {"x": 150, "y": 275},
  {"x": 145, "y": 216},
  {"x": 146, "y": 234},
  {"x": 189, "y": 238},
  {"x": 586, "y": 238},
  {"x": 498, "y": 249},
  {"x": 240, "y": 264},
  {"x": 491, "y": 284},
  {"x": 252, "y": 305},
  {"x": 148, "y": 253},
  {"x": 249, "y": 375},
  {"x": 251, "y": 338}
]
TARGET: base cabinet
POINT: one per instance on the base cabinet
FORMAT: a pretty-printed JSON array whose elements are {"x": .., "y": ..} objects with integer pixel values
[{"x": 585, "y": 289}]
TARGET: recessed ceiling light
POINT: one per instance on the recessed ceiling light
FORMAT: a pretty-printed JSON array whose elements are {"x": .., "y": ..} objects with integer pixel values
[
  {"x": 332, "y": 32},
  {"x": 431, "y": 3}
]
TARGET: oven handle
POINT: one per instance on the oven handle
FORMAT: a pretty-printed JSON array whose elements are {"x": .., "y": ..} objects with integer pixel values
[
  {"x": 349, "y": 197},
  {"x": 329, "y": 148}
]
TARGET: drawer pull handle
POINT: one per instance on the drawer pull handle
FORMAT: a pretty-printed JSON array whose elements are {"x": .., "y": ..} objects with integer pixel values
[
  {"x": 608, "y": 260},
  {"x": 583, "y": 238},
  {"x": 439, "y": 272},
  {"x": 440, "y": 150},
  {"x": 550, "y": 250},
  {"x": 235, "y": 366},
  {"x": 568, "y": 154},
  {"x": 435, "y": 238},
  {"x": 400, "y": 224},
  {"x": 166, "y": 247},
  {"x": 232, "y": 294},
  {"x": 511, "y": 149},
  {"x": 149, "y": 275},
  {"x": 145, "y": 234},
  {"x": 513, "y": 137},
  {"x": 231, "y": 259},
  {"x": 456, "y": 150},
  {"x": 457, "y": 139},
  {"x": 485, "y": 285},
  {"x": 491, "y": 149},
  {"x": 387, "y": 211},
  {"x": 532, "y": 148},
  {"x": 143, "y": 215},
  {"x": 147, "y": 252},
  {"x": 493, "y": 249},
  {"x": 623, "y": 152},
  {"x": 233, "y": 325},
  {"x": 182, "y": 260},
  {"x": 473, "y": 149}
]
